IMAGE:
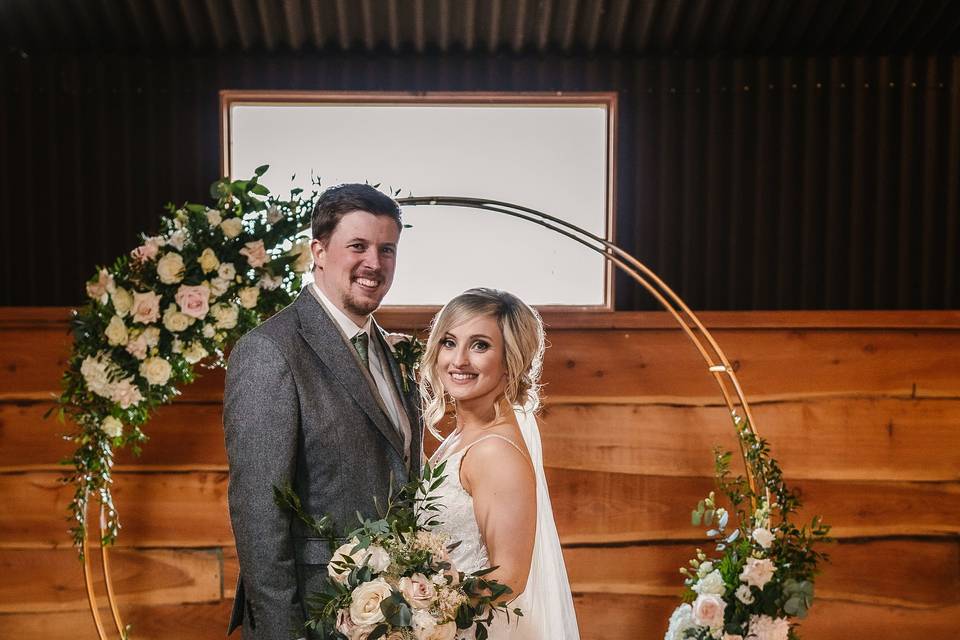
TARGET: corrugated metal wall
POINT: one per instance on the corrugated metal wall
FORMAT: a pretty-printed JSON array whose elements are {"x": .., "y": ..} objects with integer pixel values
[{"x": 747, "y": 184}]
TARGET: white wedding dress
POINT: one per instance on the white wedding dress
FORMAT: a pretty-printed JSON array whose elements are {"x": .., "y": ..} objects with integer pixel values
[{"x": 546, "y": 602}]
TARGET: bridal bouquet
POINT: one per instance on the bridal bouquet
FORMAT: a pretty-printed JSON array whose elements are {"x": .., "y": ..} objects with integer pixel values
[
  {"x": 764, "y": 569},
  {"x": 394, "y": 578}
]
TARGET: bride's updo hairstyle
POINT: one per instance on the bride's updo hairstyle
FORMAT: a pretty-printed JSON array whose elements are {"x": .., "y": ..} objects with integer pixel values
[{"x": 523, "y": 341}]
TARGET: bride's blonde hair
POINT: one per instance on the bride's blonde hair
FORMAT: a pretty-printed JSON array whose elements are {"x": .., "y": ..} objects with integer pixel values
[{"x": 523, "y": 341}]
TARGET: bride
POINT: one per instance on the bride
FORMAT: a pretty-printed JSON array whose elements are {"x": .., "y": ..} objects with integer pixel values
[{"x": 484, "y": 353}]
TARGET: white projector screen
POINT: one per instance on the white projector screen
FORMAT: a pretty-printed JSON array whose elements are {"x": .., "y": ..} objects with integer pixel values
[{"x": 553, "y": 158}]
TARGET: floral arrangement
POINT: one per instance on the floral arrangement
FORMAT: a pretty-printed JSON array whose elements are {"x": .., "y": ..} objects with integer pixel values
[
  {"x": 764, "y": 572},
  {"x": 408, "y": 350},
  {"x": 179, "y": 299},
  {"x": 394, "y": 579}
]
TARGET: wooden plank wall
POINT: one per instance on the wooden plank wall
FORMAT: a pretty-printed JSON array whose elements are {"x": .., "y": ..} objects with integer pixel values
[{"x": 863, "y": 410}]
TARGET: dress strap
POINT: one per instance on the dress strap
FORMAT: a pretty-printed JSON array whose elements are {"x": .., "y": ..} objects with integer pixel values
[{"x": 495, "y": 435}]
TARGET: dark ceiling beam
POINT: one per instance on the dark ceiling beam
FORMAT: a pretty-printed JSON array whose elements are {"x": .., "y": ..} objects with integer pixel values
[
  {"x": 771, "y": 29},
  {"x": 245, "y": 28},
  {"x": 519, "y": 27},
  {"x": 672, "y": 19},
  {"x": 293, "y": 16},
  {"x": 873, "y": 23},
  {"x": 923, "y": 27},
  {"x": 619, "y": 14},
  {"x": 419, "y": 28},
  {"x": 167, "y": 23},
  {"x": 647, "y": 20},
  {"x": 393, "y": 25},
  {"x": 117, "y": 29},
  {"x": 493, "y": 33},
  {"x": 141, "y": 23},
  {"x": 218, "y": 24},
  {"x": 267, "y": 24},
  {"x": 569, "y": 26},
  {"x": 798, "y": 24},
  {"x": 747, "y": 33},
  {"x": 947, "y": 30},
  {"x": 469, "y": 24},
  {"x": 903, "y": 17},
  {"x": 823, "y": 23},
  {"x": 316, "y": 24},
  {"x": 366, "y": 15},
  {"x": 444, "y": 25},
  {"x": 543, "y": 25},
  {"x": 191, "y": 20},
  {"x": 697, "y": 18},
  {"x": 343, "y": 26},
  {"x": 594, "y": 22}
]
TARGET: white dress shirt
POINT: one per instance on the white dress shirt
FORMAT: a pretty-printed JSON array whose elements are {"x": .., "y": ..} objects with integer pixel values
[{"x": 378, "y": 368}]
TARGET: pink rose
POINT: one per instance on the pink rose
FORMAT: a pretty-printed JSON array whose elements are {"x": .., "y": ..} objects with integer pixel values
[
  {"x": 708, "y": 610},
  {"x": 757, "y": 573},
  {"x": 147, "y": 251},
  {"x": 418, "y": 590},
  {"x": 138, "y": 347},
  {"x": 255, "y": 252},
  {"x": 103, "y": 285},
  {"x": 146, "y": 307},
  {"x": 193, "y": 300}
]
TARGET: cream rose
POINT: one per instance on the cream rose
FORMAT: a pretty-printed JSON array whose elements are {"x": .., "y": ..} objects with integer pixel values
[
  {"x": 146, "y": 307},
  {"x": 156, "y": 371},
  {"x": 365, "y": 608},
  {"x": 175, "y": 321},
  {"x": 711, "y": 584},
  {"x": 112, "y": 427},
  {"x": 231, "y": 227},
  {"x": 226, "y": 315},
  {"x": 208, "y": 260},
  {"x": 376, "y": 557},
  {"x": 116, "y": 332},
  {"x": 343, "y": 555},
  {"x": 194, "y": 300},
  {"x": 218, "y": 287},
  {"x": 757, "y": 573},
  {"x": 137, "y": 346},
  {"x": 269, "y": 283},
  {"x": 227, "y": 271},
  {"x": 763, "y": 537},
  {"x": 170, "y": 268},
  {"x": 209, "y": 331},
  {"x": 99, "y": 288},
  {"x": 195, "y": 352},
  {"x": 255, "y": 252},
  {"x": 708, "y": 610},
  {"x": 152, "y": 336},
  {"x": 126, "y": 394},
  {"x": 96, "y": 373},
  {"x": 122, "y": 301},
  {"x": 249, "y": 297},
  {"x": 418, "y": 590},
  {"x": 744, "y": 594},
  {"x": 304, "y": 259},
  {"x": 177, "y": 239},
  {"x": 213, "y": 217},
  {"x": 767, "y": 628}
]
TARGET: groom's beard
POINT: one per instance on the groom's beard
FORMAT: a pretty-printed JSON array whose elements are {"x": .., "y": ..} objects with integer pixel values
[{"x": 363, "y": 306}]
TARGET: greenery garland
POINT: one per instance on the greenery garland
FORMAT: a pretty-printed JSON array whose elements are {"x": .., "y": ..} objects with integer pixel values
[{"x": 176, "y": 301}]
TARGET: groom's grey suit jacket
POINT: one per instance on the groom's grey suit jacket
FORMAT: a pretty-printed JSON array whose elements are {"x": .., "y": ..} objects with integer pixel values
[{"x": 299, "y": 407}]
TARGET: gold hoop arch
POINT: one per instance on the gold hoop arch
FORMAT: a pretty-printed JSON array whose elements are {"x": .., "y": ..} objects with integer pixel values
[{"x": 717, "y": 363}]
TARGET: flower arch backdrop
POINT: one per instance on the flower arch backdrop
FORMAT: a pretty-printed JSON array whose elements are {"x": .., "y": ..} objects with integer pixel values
[{"x": 213, "y": 273}]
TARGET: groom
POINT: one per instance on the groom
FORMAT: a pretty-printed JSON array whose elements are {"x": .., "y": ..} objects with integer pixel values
[{"x": 314, "y": 397}]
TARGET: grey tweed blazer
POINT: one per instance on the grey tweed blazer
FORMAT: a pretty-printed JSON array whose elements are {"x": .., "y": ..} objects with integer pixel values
[{"x": 298, "y": 408}]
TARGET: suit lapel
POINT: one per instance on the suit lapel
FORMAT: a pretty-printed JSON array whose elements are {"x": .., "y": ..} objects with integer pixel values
[
  {"x": 408, "y": 398},
  {"x": 331, "y": 346}
]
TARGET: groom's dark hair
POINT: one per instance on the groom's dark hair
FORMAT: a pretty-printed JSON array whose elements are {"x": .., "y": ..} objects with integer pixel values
[{"x": 340, "y": 200}]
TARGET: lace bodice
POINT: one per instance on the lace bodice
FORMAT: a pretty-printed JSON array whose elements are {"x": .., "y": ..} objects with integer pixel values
[{"x": 458, "y": 519}]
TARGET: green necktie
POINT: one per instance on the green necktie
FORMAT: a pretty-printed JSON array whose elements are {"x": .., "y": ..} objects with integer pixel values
[{"x": 361, "y": 342}]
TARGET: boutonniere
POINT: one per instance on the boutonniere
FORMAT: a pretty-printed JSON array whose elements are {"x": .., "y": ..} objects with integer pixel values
[{"x": 407, "y": 350}]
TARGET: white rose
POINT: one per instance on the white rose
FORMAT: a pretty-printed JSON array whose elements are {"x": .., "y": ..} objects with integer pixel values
[
  {"x": 112, "y": 427},
  {"x": 170, "y": 268},
  {"x": 175, "y": 321},
  {"x": 208, "y": 260},
  {"x": 213, "y": 217},
  {"x": 177, "y": 239},
  {"x": 711, "y": 584},
  {"x": 304, "y": 258},
  {"x": 218, "y": 287},
  {"x": 122, "y": 301},
  {"x": 708, "y": 610},
  {"x": 116, "y": 332},
  {"x": 744, "y": 594},
  {"x": 195, "y": 352},
  {"x": 177, "y": 345},
  {"x": 342, "y": 555},
  {"x": 680, "y": 621},
  {"x": 763, "y": 537},
  {"x": 231, "y": 227},
  {"x": 249, "y": 297},
  {"x": 152, "y": 336},
  {"x": 225, "y": 315},
  {"x": 209, "y": 331},
  {"x": 757, "y": 573},
  {"x": 268, "y": 283},
  {"x": 366, "y": 599},
  {"x": 273, "y": 215},
  {"x": 377, "y": 558},
  {"x": 126, "y": 393},
  {"x": 227, "y": 271},
  {"x": 96, "y": 373},
  {"x": 705, "y": 568},
  {"x": 156, "y": 371}
]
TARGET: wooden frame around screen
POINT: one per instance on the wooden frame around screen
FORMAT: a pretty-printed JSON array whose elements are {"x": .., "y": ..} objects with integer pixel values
[{"x": 605, "y": 99}]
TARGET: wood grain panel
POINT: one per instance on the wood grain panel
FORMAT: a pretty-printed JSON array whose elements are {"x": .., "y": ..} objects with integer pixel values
[
  {"x": 166, "y": 509},
  {"x": 45, "y": 580}
]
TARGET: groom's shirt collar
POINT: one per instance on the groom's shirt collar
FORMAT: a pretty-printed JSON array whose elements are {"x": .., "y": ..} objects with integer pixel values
[{"x": 348, "y": 326}]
